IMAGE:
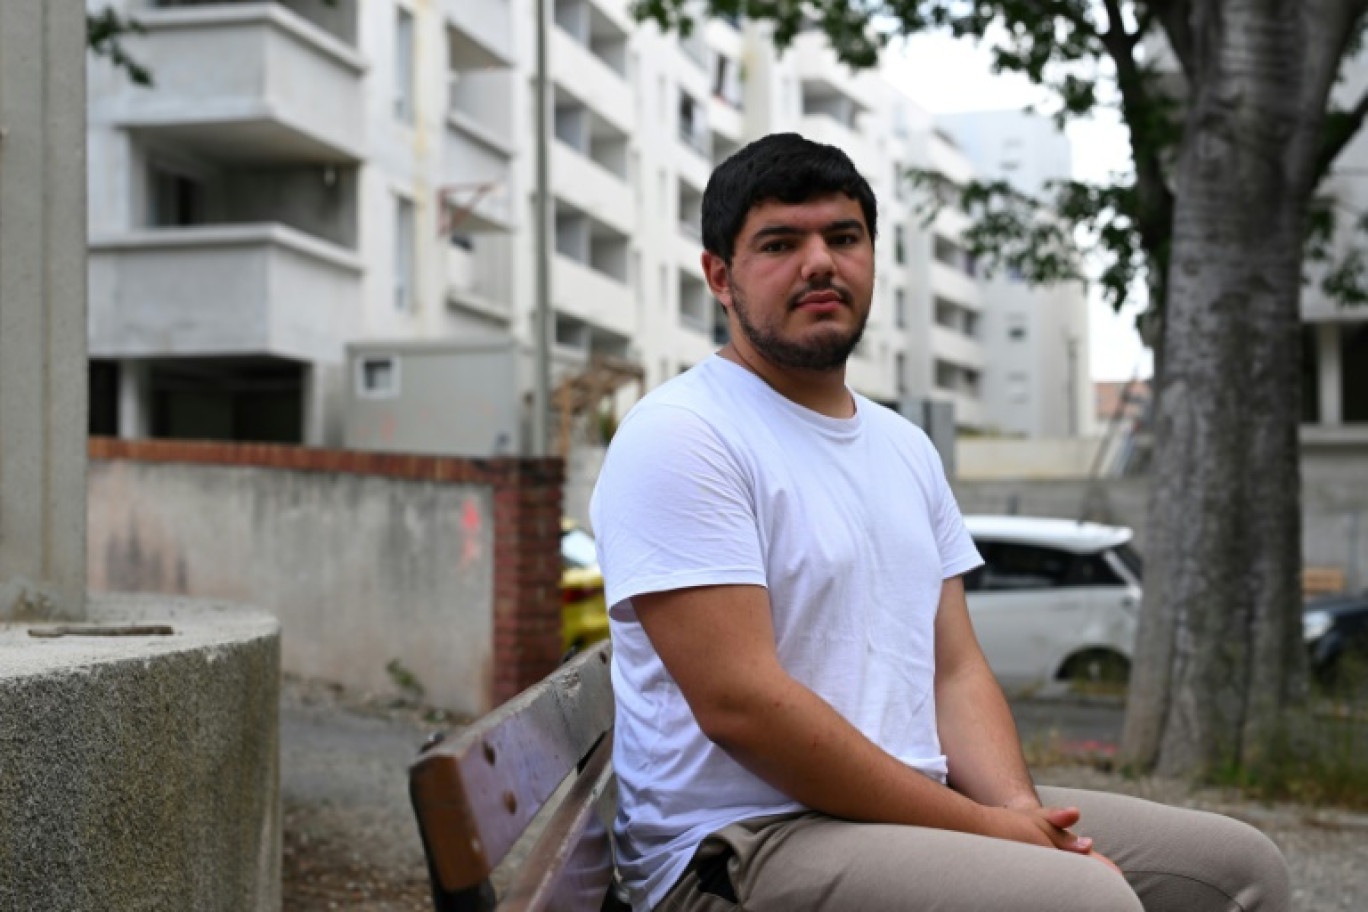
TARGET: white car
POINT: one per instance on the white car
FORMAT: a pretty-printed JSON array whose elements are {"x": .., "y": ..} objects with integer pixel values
[{"x": 1056, "y": 600}]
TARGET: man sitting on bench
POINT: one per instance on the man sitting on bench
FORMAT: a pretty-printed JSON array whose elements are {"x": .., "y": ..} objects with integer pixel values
[{"x": 804, "y": 718}]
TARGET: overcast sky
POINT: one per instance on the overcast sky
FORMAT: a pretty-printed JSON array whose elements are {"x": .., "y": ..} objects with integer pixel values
[{"x": 945, "y": 75}]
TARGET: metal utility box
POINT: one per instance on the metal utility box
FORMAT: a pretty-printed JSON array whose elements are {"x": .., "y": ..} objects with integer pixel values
[
  {"x": 455, "y": 398},
  {"x": 937, "y": 419}
]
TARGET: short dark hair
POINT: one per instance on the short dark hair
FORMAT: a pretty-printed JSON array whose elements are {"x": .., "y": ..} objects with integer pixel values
[{"x": 784, "y": 167}]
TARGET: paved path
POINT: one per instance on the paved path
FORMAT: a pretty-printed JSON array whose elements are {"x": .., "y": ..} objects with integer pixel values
[{"x": 350, "y": 840}]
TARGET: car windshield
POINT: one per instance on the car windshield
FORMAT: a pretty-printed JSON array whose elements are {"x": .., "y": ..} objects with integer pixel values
[
  {"x": 577, "y": 549},
  {"x": 1131, "y": 558}
]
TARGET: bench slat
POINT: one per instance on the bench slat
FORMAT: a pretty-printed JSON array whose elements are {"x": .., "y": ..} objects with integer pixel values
[
  {"x": 475, "y": 794},
  {"x": 570, "y": 866}
]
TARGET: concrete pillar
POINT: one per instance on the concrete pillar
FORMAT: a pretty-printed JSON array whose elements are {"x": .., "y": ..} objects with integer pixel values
[
  {"x": 1328, "y": 374},
  {"x": 42, "y": 309},
  {"x": 321, "y": 388},
  {"x": 135, "y": 400}
]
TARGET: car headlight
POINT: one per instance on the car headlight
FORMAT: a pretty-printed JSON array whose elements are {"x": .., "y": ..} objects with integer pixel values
[{"x": 1316, "y": 624}]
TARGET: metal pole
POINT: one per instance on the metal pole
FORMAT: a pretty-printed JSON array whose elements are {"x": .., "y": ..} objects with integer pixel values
[{"x": 541, "y": 389}]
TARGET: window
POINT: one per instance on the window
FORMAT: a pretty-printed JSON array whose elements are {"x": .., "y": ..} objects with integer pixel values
[
  {"x": 1016, "y": 327},
  {"x": 403, "y": 254},
  {"x": 899, "y": 308},
  {"x": 176, "y": 199},
  {"x": 1092, "y": 570},
  {"x": 693, "y": 124},
  {"x": 1131, "y": 558},
  {"x": 403, "y": 65},
  {"x": 1012, "y": 566},
  {"x": 377, "y": 377},
  {"x": 899, "y": 245},
  {"x": 727, "y": 80},
  {"x": 900, "y": 373}
]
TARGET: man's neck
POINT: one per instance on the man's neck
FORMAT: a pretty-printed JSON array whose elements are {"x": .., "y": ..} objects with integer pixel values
[{"x": 823, "y": 392}]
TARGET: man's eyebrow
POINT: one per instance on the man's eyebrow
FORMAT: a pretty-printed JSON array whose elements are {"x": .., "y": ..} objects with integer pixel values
[{"x": 789, "y": 230}]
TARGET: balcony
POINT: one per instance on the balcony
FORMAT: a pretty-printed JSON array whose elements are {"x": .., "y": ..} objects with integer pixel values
[
  {"x": 826, "y": 129},
  {"x": 592, "y": 296},
  {"x": 948, "y": 345},
  {"x": 221, "y": 290},
  {"x": 591, "y": 188},
  {"x": 726, "y": 121},
  {"x": 955, "y": 284},
  {"x": 478, "y": 280},
  {"x": 245, "y": 82},
  {"x": 689, "y": 254},
  {"x": 480, "y": 34},
  {"x": 946, "y": 158},
  {"x": 476, "y": 172},
  {"x": 820, "y": 72},
  {"x": 581, "y": 74},
  {"x": 969, "y": 412}
]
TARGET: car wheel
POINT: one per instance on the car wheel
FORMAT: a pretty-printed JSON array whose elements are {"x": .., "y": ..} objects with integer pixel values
[{"x": 1104, "y": 668}]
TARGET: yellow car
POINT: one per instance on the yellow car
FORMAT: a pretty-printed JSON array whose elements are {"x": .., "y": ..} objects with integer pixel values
[{"x": 584, "y": 614}]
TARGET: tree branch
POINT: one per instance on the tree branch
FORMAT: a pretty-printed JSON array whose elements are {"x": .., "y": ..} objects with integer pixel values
[
  {"x": 1138, "y": 108},
  {"x": 1176, "y": 18},
  {"x": 1339, "y": 131},
  {"x": 1073, "y": 16}
]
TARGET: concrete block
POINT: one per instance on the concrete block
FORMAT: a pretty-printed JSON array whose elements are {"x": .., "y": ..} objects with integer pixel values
[{"x": 142, "y": 773}]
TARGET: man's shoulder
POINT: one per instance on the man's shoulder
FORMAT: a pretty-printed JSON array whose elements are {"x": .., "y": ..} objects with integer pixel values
[
  {"x": 697, "y": 395},
  {"x": 886, "y": 420}
]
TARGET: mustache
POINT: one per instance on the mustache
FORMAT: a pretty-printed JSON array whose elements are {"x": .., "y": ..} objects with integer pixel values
[{"x": 826, "y": 285}]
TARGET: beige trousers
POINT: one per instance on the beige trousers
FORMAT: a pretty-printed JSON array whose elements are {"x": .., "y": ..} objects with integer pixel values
[{"x": 1175, "y": 860}]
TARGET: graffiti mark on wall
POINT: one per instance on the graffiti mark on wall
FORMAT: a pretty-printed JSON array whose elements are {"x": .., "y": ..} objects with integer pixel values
[{"x": 472, "y": 534}]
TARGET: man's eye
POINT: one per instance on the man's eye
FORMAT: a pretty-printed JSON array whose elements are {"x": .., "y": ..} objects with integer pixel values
[
  {"x": 844, "y": 240},
  {"x": 774, "y": 246}
]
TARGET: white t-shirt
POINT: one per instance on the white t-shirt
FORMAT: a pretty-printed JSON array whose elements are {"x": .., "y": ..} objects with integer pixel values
[{"x": 714, "y": 478}]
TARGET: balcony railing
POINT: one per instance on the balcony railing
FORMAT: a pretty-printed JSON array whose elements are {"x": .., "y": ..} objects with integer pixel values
[
  {"x": 592, "y": 296},
  {"x": 247, "y": 81},
  {"x": 221, "y": 289},
  {"x": 482, "y": 32}
]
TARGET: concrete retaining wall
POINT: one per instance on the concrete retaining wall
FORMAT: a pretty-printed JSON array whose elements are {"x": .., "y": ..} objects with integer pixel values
[
  {"x": 449, "y": 567},
  {"x": 142, "y": 773}
]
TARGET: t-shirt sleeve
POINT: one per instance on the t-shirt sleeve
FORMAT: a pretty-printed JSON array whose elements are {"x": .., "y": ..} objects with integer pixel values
[
  {"x": 957, "y": 550},
  {"x": 673, "y": 508}
]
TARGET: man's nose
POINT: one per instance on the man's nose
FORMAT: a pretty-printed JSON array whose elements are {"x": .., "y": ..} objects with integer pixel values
[{"x": 817, "y": 259}]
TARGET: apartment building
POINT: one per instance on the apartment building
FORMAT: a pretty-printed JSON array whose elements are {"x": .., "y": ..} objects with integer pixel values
[
  {"x": 697, "y": 100},
  {"x": 1035, "y": 337},
  {"x": 1335, "y": 335},
  {"x": 284, "y": 188},
  {"x": 305, "y": 175}
]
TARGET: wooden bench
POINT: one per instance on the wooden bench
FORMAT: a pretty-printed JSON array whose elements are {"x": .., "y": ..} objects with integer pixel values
[{"x": 476, "y": 792}]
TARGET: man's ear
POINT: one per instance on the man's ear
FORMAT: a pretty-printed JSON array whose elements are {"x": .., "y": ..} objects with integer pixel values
[{"x": 715, "y": 271}]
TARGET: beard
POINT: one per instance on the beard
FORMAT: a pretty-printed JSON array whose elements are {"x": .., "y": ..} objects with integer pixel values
[{"x": 826, "y": 351}]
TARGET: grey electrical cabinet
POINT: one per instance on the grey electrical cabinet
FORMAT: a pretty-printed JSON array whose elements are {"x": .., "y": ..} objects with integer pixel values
[
  {"x": 937, "y": 419},
  {"x": 454, "y": 398}
]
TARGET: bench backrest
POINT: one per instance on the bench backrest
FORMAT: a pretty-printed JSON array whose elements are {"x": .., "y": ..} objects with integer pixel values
[{"x": 475, "y": 793}]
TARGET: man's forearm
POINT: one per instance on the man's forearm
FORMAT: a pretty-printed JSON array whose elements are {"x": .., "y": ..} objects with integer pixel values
[
  {"x": 980, "y": 740},
  {"x": 791, "y": 738}
]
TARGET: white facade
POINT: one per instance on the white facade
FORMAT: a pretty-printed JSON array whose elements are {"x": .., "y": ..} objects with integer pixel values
[
  {"x": 364, "y": 171},
  {"x": 1035, "y": 338},
  {"x": 1335, "y": 336}
]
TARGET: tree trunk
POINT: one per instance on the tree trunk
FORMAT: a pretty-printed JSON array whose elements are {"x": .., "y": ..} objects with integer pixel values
[{"x": 1219, "y": 651}]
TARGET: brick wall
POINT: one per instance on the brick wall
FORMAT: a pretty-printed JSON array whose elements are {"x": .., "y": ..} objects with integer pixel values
[{"x": 527, "y": 509}]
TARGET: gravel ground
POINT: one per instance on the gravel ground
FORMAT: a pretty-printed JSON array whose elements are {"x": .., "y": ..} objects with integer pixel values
[{"x": 350, "y": 841}]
